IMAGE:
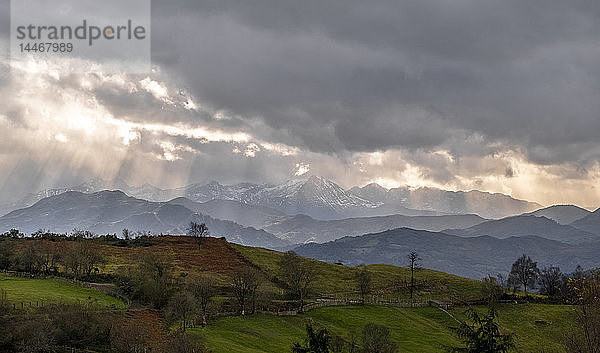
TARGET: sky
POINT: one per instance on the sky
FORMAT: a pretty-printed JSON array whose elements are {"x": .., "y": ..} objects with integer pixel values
[{"x": 500, "y": 96}]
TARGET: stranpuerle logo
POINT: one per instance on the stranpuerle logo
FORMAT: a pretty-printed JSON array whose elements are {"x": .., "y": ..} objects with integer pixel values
[{"x": 83, "y": 35}]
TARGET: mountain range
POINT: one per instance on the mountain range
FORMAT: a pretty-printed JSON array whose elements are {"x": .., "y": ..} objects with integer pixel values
[
  {"x": 562, "y": 214},
  {"x": 302, "y": 229},
  {"x": 316, "y": 197},
  {"x": 241, "y": 213},
  {"x": 307, "y": 211},
  {"x": 112, "y": 211},
  {"x": 590, "y": 223},
  {"x": 524, "y": 225},
  {"x": 484, "y": 204},
  {"x": 470, "y": 257}
]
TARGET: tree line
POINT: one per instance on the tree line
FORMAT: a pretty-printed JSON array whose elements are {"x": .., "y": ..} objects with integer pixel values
[
  {"x": 43, "y": 254},
  {"x": 549, "y": 281}
]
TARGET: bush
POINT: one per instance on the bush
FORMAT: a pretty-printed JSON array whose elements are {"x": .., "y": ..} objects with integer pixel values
[{"x": 376, "y": 339}]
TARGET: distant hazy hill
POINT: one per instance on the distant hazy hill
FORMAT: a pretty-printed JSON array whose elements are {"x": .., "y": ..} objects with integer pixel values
[
  {"x": 112, "y": 211},
  {"x": 146, "y": 192},
  {"x": 562, "y": 214},
  {"x": 590, "y": 223},
  {"x": 241, "y": 213},
  {"x": 485, "y": 204},
  {"x": 471, "y": 257},
  {"x": 301, "y": 228},
  {"x": 519, "y": 226}
]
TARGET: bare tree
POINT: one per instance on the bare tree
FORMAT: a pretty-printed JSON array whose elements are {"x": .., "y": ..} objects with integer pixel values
[
  {"x": 126, "y": 234},
  {"x": 298, "y": 275},
  {"x": 128, "y": 335},
  {"x": 584, "y": 337},
  {"x": 181, "y": 307},
  {"x": 70, "y": 260},
  {"x": 78, "y": 234},
  {"x": 414, "y": 264},
  {"x": 525, "y": 271},
  {"x": 551, "y": 281},
  {"x": 181, "y": 342},
  {"x": 91, "y": 258},
  {"x": 152, "y": 280},
  {"x": 195, "y": 229},
  {"x": 245, "y": 284},
  {"x": 364, "y": 282},
  {"x": 204, "y": 290},
  {"x": 30, "y": 259},
  {"x": 50, "y": 256},
  {"x": 81, "y": 258}
]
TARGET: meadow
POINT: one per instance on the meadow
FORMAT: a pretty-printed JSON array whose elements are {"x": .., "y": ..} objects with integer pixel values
[
  {"x": 536, "y": 328},
  {"x": 35, "y": 291}
]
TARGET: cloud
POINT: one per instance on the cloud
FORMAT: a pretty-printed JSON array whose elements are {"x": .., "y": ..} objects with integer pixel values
[
  {"x": 363, "y": 77},
  {"x": 463, "y": 94}
]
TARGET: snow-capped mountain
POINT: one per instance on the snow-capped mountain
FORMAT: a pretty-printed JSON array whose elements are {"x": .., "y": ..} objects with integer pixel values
[
  {"x": 485, "y": 204},
  {"x": 217, "y": 191},
  {"x": 316, "y": 197}
]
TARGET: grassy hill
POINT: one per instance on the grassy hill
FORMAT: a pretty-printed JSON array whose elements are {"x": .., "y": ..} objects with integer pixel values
[
  {"x": 223, "y": 259},
  {"x": 424, "y": 329},
  {"x": 536, "y": 327},
  {"x": 338, "y": 281}
]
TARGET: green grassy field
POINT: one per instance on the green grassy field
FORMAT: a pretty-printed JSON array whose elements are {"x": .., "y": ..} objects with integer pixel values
[
  {"x": 52, "y": 290},
  {"x": 537, "y": 328}
]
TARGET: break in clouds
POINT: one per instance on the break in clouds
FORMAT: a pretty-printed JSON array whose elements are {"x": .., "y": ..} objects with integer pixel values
[{"x": 498, "y": 95}]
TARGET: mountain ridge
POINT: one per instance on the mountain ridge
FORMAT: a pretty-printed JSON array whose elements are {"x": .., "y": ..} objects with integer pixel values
[
  {"x": 526, "y": 225},
  {"x": 317, "y": 197},
  {"x": 590, "y": 223},
  {"x": 561, "y": 214},
  {"x": 474, "y": 257},
  {"x": 485, "y": 204},
  {"x": 302, "y": 228},
  {"x": 110, "y": 211}
]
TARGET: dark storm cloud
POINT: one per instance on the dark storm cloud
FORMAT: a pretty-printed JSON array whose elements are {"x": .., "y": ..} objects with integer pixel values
[
  {"x": 498, "y": 95},
  {"x": 335, "y": 76}
]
